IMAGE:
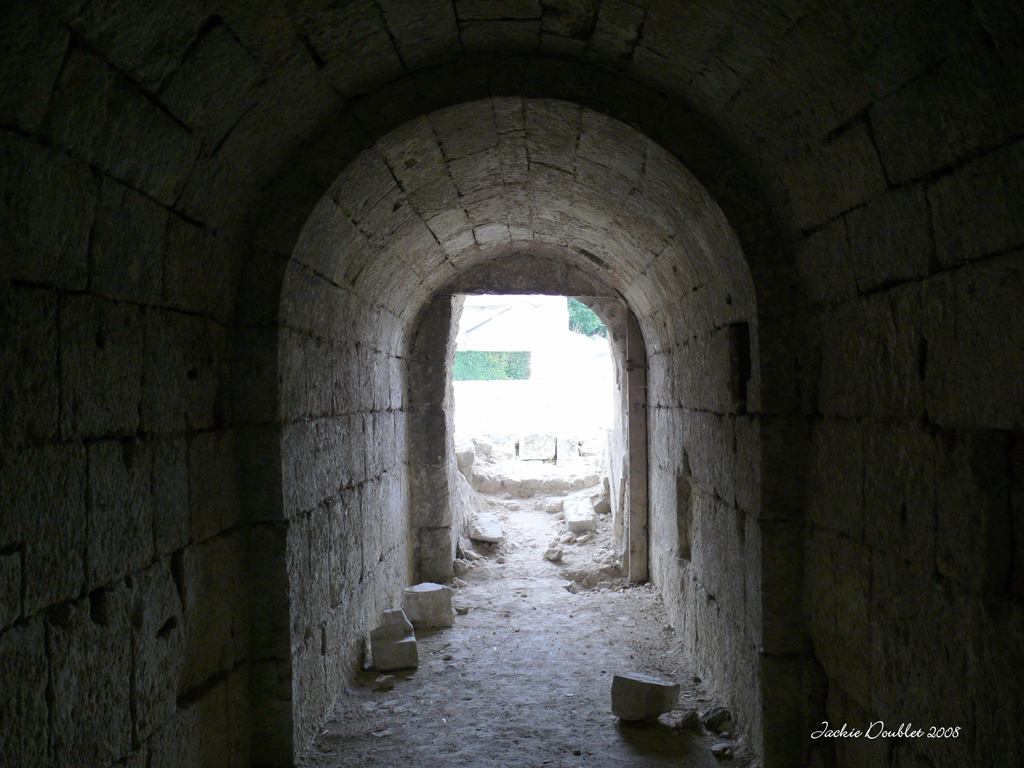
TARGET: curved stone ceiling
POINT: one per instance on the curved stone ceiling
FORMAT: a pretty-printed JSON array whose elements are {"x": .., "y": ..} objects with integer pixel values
[{"x": 496, "y": 177}]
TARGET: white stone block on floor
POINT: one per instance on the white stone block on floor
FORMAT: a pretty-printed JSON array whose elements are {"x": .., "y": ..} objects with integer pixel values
[
  {"x": 393, "y": 643},
  {"x": 580, "y": 516},
  {"x": 485, "y": 527},
  {"x": 642, "y": 697},
  {"x": 428, "y": 605},
  {"x": 537, "y": 448}
]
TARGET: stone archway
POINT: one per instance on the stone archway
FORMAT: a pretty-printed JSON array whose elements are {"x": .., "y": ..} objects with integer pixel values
[{"x": 460, "y": 192}]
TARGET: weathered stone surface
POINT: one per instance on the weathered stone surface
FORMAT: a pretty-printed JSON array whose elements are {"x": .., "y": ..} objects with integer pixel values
[
  {"x": 428, "y": 605},
  {"x": 100, "y": 115},
  {"x": 805, "y": 95},
  {"x": 158, "y": 647},
  {"x": 192, "y": 250},
  {"x": 890, "y": 240},
  {"x": 215, "y": 85},
  {"x": 900, "y": 486},
  {"x": 101, "y": 367},
  {"x": 33, "y": 47},
  {"x": 213, "y": 496},
  {"x": 10, "y": 588},
  {"x": 355, "y": 34},
  {"x": 90, "y": 648},
  {"x": 170, "y": 495},
  {"x": 29, "y": 364},
  {"x": 642, "y": 697},
  {"x": 24, "y": 667},
  {"x": 148, "y": 43},
  {"x": 393, "y": 643},
  {"x": 424, "y": 33},
  {"x": 848, "y": 167},
  {"x": 553, "y": 554},
  {"x": 51, "y": 479},
  {"x": 45, "y": 214},
  {"x": 825, "y": 264},
  {"x": 181, "y": 375},
  {"x": 977, "y": 210},
  {"x": 973, "y": 536},
  {"x": 580, "y": 516},
  {"x": 486, "y": 527},
  {"x": 126, "y": 249},
  {"x": 969, "y": 90},
  {"x": 210, "y": 573},
  {"x": 971, "y": 342},
  {"x": 120, "y": 516},
  {"x": 836, "y": 483}
]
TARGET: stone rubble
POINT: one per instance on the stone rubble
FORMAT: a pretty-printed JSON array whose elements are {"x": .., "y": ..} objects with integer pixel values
[
  {"x": 722, "y": 751},
  {"x": 428, "y": 605},
  {"x": 485, "y": 527},
  {"x": 642, "y": 697},
  {"x": 580, "y": 516},
  {"x": 393, "y": 643},
  {"x": 554, "y": 554},
  {"x": 714, "y": 717}
]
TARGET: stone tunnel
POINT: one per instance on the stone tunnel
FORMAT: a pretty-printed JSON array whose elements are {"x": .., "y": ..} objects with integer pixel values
[{"x": 230, "y": 234}]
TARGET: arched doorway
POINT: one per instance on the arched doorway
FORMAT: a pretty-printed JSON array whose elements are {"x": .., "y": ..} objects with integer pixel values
[{"x": 463, "y": 194}]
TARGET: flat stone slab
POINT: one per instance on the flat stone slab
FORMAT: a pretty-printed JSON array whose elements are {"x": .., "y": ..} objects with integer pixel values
[
  {"x": 393, "y": 643},
  {"x": 485, "y": 527},
  {"x": 642, "y": 697},
  {"x": 428, "y": 605},
  {"x": 580, "y": 516}
]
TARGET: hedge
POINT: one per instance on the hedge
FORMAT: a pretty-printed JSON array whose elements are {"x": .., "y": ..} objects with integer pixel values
[{"x": 478, "y": 365}]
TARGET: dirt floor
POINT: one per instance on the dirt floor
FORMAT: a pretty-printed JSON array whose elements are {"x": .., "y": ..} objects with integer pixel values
[{"x": 524, "y": 677}]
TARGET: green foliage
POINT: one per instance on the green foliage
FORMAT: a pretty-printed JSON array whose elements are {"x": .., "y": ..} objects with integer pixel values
[
  {"x": 474, "y": 365},
  {"x": 583, "y": 320}
]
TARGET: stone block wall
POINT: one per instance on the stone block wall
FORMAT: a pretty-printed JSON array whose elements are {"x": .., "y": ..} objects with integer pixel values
[
  {"x": 867, "y": 156},
  {"x": 438, "y": 512},
  {"x": 915, "y": 403},
  {"x": 706, "y": 530},
  {"x": 122, "y": 633},
  {"x": 121, "y": 544},
  {"x": 344, "y": 517}
]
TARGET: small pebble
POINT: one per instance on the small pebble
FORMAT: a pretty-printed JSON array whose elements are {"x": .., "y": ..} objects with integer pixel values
[
  {"x": 723, "y": 751},
  {"x": 499, "y": 560},
  {"x": 554, "y": 554},
  {"x": 448, "y": 657},
  {"x": 459, "y": 583},
  {"x": 385, "y": 682},
  {"x": 462, "y": 610}
]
